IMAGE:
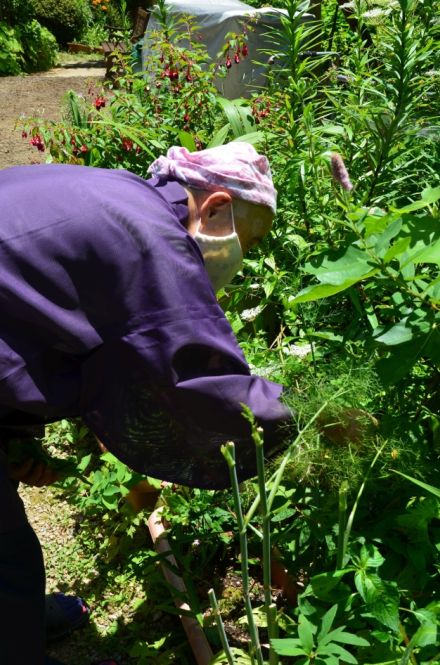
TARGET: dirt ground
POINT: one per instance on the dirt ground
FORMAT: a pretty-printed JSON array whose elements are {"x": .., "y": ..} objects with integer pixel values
[{"x": 38, "y": 95}]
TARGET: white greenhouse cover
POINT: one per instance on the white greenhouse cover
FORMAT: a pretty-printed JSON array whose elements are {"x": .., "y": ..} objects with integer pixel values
[{"x": 215, "y": 20}]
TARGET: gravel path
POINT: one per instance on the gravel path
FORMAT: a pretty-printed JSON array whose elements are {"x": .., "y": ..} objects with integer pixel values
[
  {"x": 54, "y": 520},
  {"x": 38, "y": 95}
]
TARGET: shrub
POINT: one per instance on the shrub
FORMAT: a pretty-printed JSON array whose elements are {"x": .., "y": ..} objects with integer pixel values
[
  {"x": 39, "y": 46},
  {"x": 15, "y": 11},
  {"x": 11, "y": 51},
  {"x": 67, "y": 19}
]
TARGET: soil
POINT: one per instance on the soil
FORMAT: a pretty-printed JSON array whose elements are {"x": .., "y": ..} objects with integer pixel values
[{"x": 38, "y": 95}]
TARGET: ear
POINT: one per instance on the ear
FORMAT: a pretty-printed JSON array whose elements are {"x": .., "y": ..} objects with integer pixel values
[{"x": 215, "y": 214}]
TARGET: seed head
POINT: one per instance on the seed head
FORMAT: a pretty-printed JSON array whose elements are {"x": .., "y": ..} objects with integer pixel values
[{"x": 340, "y": 173}]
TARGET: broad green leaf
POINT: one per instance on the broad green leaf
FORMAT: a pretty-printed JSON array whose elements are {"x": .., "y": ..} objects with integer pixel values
[
  {"x": 339, "y": 269},
  {"x": 337, "y": 130},
  {"x": 287, "y": 647},
  {"x": 398, "y": 334},
  {"x": 235, "y": 117},
  {"x": 425, "y": 635},
  {"x": 370, "y": 556},
  {"x": 321, "y": 291},
  {"x": 84, "y": 463},
  {"x": 429, "y": 255},
  {"x": 254, "y": 138},
  {"x": 110, "y": 491},
  {"x": 398, "y": 248},
  {"x": 336, "y": 649},
  {"x": 187, "y": 141},
  {"x": 339, "y": 635},
  {"x": 326, "y": 623},
  {"x": 399, "y": 362},
  {"x": 425, "y": 486},
  {"x": 260, "y": 617},
  {"x": 381, "y": 598},
  {"x": 305, "y": 633},
  {"x": 329, "y": 587},
  {"x": 109, "y": 457},
  {"x": 431, "y": 194},
  {"x": 219, "y": 137},
  {"x": 240, "y": 658}
]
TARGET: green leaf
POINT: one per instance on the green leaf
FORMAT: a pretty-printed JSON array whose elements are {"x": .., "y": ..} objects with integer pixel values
[
  {"x": 339, "y": 269},
  {"x": 370, "y": 556},
  {"x": 381, "y": 598},
  {"x": 305, "y": 633},
  {"x": 329, "y": 587},
  {"x": 240, "y": 658},
  {"x": 431, "y": 194},
  {"x": 400, "y": 361},
  {"x": 429, "y": 255},
  {"x": 425, "y": 486},
  {"x": 321, "y": 291},
  {"x": 326, "y": 623},
  {"x": 235, "y": 116},
  {"x": 287, "y": 647},
  {"x": 398, "y": 334},
  {"x": 425, "y": 635},
  {"x": 339, "y": 635},
  {"x": 219, "y": 137},
  {"x": 336, "y": 649},
  {"x": 187, "y": 141}
]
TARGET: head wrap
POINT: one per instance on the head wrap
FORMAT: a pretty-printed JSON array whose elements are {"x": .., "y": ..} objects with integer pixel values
[{"x": 235, "y": 167}]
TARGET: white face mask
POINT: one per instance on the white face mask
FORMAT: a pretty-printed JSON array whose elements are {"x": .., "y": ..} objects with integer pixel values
[{"x": 222, "y": 254}]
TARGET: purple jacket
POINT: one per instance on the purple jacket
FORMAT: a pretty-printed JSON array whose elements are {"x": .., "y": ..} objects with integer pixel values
[{"x": 107, "y": 313}]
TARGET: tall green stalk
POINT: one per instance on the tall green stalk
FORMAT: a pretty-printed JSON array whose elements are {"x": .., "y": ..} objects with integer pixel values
[
  {"x": 220, "y": 627},
  {"x": 342, "y": 549},
  {"x": 342, "y": 523},
  {"x": 265, "y": 515},
  {"x": 256, "y": 655}
]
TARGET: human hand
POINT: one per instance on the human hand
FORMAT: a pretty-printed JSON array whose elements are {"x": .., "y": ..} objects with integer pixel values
[{"x": 32, "y": 472}]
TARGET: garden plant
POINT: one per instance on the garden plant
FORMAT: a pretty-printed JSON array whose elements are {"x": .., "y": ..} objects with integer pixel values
[{"x": 336, "y": 543}]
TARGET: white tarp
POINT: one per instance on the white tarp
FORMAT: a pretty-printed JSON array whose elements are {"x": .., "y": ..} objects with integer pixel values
[{"x": 215, "y": 20}]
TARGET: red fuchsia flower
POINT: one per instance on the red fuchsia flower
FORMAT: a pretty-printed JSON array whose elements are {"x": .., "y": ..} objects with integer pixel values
[
  {"x": 127, "y": 144},
  {"x": 187, "y": 117},
  {"x": 237, "y": 58},
  {"x": 340, "y": 173},
  {"x": 73, "y": 141},
  {"x": 84, "y": 148},
  {"x": 37, "y": 141},
  {"x": 100, "y": 103},
  {"x": 188, "y": 76},
  {"x": 173, "y": 75},
  {"x": 228, "y": 63},
  {"x": 24, "y": 135},
  {"x": 244, "y": 50}
]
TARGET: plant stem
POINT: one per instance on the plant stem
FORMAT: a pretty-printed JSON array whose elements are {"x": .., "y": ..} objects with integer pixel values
[
  {"x": 265, "y": 514},
  {"x": 220, "y": 626},
  {"x": 228, "y": 451},
  {"x": 275, "y": 479},
  {"x": 350, "y": 520},
  {"x": 342, "y": 523}
]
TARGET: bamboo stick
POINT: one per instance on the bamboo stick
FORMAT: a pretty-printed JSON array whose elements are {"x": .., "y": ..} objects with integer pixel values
[{"x": 196, "y": 637}]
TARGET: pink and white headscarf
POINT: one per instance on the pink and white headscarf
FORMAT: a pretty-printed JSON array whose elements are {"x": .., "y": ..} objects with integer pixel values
[{"x": 235, "y": 167}]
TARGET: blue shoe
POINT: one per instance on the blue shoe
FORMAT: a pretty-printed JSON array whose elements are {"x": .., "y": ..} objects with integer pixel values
[{"x": 63, "y": 615}]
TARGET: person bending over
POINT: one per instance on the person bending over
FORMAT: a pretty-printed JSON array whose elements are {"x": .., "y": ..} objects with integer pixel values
[{"x": 108, "y": 312}]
